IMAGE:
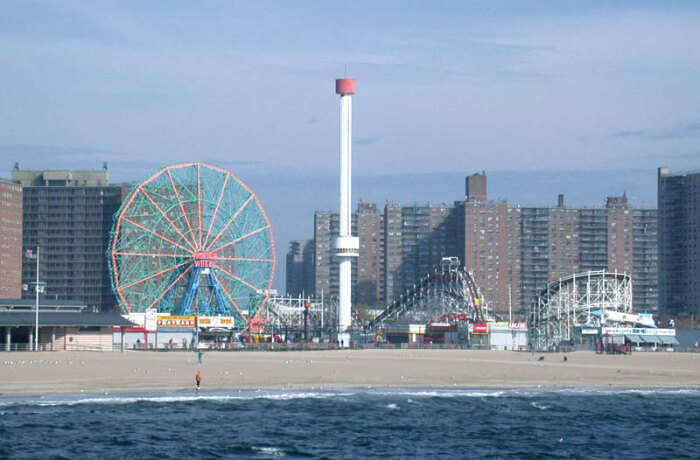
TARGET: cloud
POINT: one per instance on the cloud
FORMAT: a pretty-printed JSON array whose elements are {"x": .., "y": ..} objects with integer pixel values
[
  {"x": 683, "y": 132},
  {"x": 630, "y": 133},
  {"x": 51, "y": 21},
  {"x": 31, "y": 156},
  {"x": 674, "y": 156}
]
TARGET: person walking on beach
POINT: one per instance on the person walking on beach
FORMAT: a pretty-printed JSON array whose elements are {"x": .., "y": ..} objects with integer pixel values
[{"x": 198, "y": 380}]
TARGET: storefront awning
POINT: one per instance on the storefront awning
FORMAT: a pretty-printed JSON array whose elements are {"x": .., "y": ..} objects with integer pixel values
[
  {"x": 668, "y": 340},
  {"x": 650, "y": 339},
  {"x": 633, "y": 338}
]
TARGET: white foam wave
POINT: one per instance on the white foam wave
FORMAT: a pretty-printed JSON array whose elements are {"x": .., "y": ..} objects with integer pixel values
[
  {"x": 170, "y": 398},
  {"x": 279, "y": 395},
  {"x": 273, "y": 451}
]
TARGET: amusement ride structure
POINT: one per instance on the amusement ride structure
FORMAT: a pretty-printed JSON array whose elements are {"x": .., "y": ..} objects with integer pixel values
[
  {"x": 299, "y": 316},
  {"x": 192, "y": 239},
  {"x": 580, "y": 300},
  {"x": 347, "y": 246},
  {"x": 449, "y": 293}
]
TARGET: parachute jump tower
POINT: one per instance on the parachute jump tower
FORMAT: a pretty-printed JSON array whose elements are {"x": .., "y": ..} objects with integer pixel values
[{"x": 347, "y": 246}]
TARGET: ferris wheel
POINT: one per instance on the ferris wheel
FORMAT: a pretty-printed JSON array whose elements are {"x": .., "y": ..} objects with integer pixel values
[{"x": 192, "y": 239}]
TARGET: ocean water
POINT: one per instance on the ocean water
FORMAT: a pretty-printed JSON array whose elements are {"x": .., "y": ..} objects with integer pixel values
[{"x": 354, "y": 424}]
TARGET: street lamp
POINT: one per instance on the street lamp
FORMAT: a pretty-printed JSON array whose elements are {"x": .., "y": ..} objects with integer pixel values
[
  {"x": 36, "y": 315},
  {"x": 38, "y": 287}
]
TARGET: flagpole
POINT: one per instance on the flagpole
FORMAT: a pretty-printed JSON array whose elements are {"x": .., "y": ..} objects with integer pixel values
[{"x": 36, "y": 316}]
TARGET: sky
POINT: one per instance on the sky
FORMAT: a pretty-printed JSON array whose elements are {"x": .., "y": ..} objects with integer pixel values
[{"x": 582, "y": 98}]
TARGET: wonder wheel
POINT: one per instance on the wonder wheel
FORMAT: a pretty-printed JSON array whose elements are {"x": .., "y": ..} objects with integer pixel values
[{"x": 192, "y": 240}]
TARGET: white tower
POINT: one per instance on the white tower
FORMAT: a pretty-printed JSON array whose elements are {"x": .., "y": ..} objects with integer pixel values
[{"x": 346, "y": 245}]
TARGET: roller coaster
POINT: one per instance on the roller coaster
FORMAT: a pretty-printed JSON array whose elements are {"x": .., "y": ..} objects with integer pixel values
[
  {"x": 448, "y": 293},
  {"x": 575, "y": 302}
]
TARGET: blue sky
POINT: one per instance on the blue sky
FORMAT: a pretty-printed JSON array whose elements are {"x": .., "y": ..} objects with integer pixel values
[{"x": 532, "y": 92}]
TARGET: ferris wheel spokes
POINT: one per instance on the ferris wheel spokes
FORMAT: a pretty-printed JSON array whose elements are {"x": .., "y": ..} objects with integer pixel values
[
  {"x": 242, "y": 259},
  {"x": 157, "y": 235},
  {"x": 172, "y": 224},
  {"x": 171, "y": 286},
  {"x": 216, "y": 212},
  {"x": 230, "y": 221},
  {"x": 199, "y": 204},
  {"x": 153, "y": 275},
  {"x": 182, "y": 206},
  {"x": 234, "y": 277},
  {"x": 239, "y": 239}
]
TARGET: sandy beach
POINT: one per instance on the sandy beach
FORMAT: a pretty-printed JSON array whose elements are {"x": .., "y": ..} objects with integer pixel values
[{"x": 25, "y": 374}]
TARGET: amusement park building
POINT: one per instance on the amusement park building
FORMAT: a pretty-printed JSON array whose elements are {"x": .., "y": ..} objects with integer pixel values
[
  {"x": 69, "y": 215},
  {"x": 513, "y": 252},
  {"x": 10, "y": 239},
  {"x": 679, "y": 243}
]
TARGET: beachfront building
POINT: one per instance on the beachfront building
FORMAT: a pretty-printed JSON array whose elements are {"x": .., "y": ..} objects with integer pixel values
[
  {"x": 417, "y": 238},
  {"x": 490, "y": 247},
  {"x": 512, "y": 251},
  {"x": 396, "y": 248},
  {"x": 645, "y": 273},
  {"x": 558, "y": 241},
  {"x": 299, "y": 268},
  {"x": 10, "y": 239},
  {"x": 63, "y": 325},
  {"x": 69, "y": 215},
  {"x": 326, "y": 278},
  {"x": 679, "y": 243},
  {"x": 367, "y": 270}
]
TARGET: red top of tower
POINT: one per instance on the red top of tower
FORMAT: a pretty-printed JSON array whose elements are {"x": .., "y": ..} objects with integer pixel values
[{"x": 345, "y": 86}]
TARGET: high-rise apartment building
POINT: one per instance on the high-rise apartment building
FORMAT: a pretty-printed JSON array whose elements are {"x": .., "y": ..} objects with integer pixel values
[
  {"x": 369, "y": 227},
  {"x": 393, "y": 255},
  {"x": 679, "y": 243},
  {"x": 69, "y": 215},
  {"x": 513, "y": 252},
  {"x": 10, "y": 240},
  {"x": 421, "y": 237},
  {"x": 396, "y": 248},
  {"x": 645, "y": 275},
  {"x": 559, "y": 241},
  {"x": 620, "y": 235},
  {"x": 490, "y": 242},
  {"x": 300, "y": 268},
  {"x": 326, "y": 277}
]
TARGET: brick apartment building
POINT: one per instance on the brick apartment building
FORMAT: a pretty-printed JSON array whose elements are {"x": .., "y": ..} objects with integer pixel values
[
  {"x": 513, "y": 252},
  {"x": 10, "y": 240}
]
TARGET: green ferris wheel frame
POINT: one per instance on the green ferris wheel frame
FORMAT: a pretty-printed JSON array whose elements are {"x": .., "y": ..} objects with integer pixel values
[{"x": 192, "y": 239}]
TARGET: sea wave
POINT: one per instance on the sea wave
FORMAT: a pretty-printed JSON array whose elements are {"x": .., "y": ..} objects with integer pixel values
[{"x": 280, "y": 395}]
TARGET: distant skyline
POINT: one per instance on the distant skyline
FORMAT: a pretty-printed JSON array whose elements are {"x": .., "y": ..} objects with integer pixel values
[{"x": 600, "y": 92}]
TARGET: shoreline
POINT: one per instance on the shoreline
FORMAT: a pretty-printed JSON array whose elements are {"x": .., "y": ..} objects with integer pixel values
[{"x": 27, "y": 374}]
